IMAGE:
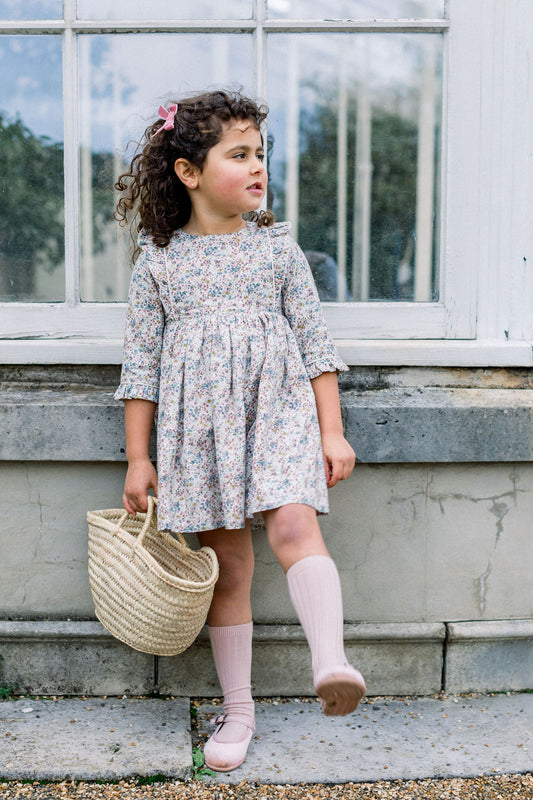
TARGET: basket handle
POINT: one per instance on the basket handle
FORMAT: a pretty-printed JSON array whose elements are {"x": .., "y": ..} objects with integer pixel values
[
  {"x": 181, "y": 539},
  {"x": 152, "y": 503}
]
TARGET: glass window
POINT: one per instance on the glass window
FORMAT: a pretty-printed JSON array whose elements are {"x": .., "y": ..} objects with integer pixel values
[
  {"x": 31, "y": 169},
  {"x": 31, "y": 9},
  {"x": 116, "y": 105},
  {"x": 355, "y": 122},
  {"x": 355, "y": 9},
  {"x": 162, "y": 9}
]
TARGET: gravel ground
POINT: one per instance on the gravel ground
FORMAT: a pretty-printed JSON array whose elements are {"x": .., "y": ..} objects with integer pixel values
[{"x": 502, "y": 787}]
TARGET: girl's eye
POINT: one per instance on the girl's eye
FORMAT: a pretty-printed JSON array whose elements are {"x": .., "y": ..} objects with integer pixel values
[{"x": 259, "y": 156}]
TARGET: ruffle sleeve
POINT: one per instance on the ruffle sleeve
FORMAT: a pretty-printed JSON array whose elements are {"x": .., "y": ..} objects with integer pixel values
[
  {"x": 301, "y": 306},
  {"x": 279, "y": 229},
  {"x": 145, "y": 322}
]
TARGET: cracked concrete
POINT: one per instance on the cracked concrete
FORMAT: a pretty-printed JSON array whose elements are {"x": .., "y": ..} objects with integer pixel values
[
  {"x": 411, "y": 541},
  {"x": 402, "y": 738},
  {"x": 434, "y": 527},
  {"x": 499, "y": 510},
  {"x": 97, "y": 739},
  {"x": 480, "y": 585}
]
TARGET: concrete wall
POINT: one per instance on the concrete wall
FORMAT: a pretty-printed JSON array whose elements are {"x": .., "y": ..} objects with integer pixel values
[
  {"x": 422, "y": 543},
  {"x": 432, "y": 536}
]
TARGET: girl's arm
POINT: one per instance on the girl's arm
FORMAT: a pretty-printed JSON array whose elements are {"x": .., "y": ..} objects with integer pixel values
[
  {"x": 339, "y": 458},
  {"x": 141, "y": 474},
  {"x": 139, "y": 385},
  {"x": 301, "y": 306}
]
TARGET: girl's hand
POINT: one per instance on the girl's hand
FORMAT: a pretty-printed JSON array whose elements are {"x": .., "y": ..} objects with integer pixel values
[
  {"x": 140, "y": 477},
  {"x": 339, "y": 458}
]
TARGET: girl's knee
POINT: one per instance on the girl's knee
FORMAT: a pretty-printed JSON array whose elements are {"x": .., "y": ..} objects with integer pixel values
[
  {"x": 235, "y": 562},
  {"x": 231, "y": 598},
  {"x": 236, "y": 565},
  {"x": 292, "y": 525}
]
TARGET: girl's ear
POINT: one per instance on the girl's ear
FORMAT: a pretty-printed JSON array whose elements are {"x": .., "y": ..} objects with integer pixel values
[{"x": 186, "y": 172}]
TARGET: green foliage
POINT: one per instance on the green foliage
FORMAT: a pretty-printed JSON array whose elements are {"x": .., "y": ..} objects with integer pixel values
[
  {"x": 103, "y": 179},
  {"x": 6, "y": 690},
  {"x": 394, "y": 161},
  {"x": 198, "y": 765},
  {"x": 148, "y": 780},
  {"x": 393, "y": 200},
  {"x": 31, "y": 206},
  {"x": 317, "y": 227}
]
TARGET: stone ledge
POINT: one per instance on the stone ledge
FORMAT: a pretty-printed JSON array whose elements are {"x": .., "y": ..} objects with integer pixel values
[
  {"x": 358, "y": 632},
  {"x": 396, "y": 658},
  {"x": 440, "y": 425},
  {"x": 72, "y": 658},
  {"x": 54, "y": 630},
  {"x": 490, "y": 630},
  {"x": 495, "y": 655},
  {"x": 51, "y": 658},
  {"x": 426, "y": 425},
  {"x": 68, "y": 425}
]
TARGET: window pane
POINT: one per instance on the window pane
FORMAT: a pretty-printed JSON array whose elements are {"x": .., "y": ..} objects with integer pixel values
[
  {"x": 356, "y": 126},
  {"x": 116, "y": 105},
  {"x": 31, "y": 169},
  {"x": 164, "y": 9},
  {"x": 31, "y": 9},
  {"x": 355, "y": 9}
]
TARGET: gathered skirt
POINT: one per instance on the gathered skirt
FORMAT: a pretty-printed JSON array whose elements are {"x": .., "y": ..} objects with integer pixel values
[{"x": 237, "y": 425}]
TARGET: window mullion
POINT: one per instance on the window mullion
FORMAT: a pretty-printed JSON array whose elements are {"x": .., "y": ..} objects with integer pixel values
[
  {"x": 260, "y": 67},
  {"x": 70, "y": 126}
]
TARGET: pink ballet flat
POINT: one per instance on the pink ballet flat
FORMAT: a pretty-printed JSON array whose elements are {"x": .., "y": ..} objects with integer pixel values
[
  {"x": 340, "y": 690},
  {"x": 225, "y": 756}
]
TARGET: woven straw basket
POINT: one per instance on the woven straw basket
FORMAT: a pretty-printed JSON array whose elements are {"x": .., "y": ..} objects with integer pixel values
[{"x": 150, "y": 590}]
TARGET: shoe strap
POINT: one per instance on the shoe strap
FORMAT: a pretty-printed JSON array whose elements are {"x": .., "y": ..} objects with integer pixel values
[{"x": 242, "y": 719}]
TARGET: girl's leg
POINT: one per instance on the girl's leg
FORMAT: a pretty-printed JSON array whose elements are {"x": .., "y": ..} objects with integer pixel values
[
  {"x": 231, "y": 598},
  {"x": 230, "y": 632},
  {"x": 315, "y": 591}
]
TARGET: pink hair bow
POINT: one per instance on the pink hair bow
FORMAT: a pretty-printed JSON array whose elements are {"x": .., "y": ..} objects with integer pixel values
[{"x": 168, "y": 116}]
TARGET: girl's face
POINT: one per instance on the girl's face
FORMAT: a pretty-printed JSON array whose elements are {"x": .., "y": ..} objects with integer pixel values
[{"x": 233, "y": 180}]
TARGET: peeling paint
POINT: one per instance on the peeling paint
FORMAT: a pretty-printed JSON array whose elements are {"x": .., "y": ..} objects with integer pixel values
[
  {"x": 499, "y": 510},
  {"x": 495, "y": 499},
  {"x": 481, "y": 586},
  {"x": 395, "y": 499},
  {"x": 515, "y": 480}
]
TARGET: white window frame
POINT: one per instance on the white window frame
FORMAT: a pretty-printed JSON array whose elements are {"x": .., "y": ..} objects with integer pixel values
[{"x": 483, "y": 316}]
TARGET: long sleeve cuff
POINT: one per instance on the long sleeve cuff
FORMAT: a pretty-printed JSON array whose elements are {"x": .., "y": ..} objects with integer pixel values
[
  {"x": 325, "y": 363},
  {"x": 137, "y": 391}
]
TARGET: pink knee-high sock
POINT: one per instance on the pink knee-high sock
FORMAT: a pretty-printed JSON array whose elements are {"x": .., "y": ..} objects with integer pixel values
[
  {"x": 232, "y": 653},
  {"x": 315, "y": 591}
]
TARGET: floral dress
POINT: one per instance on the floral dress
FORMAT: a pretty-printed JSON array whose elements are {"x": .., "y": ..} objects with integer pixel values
[{"x": 224, "y": 332}]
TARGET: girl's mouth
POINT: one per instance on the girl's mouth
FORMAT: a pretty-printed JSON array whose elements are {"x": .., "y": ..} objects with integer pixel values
[{"x": 256, "y": 188}]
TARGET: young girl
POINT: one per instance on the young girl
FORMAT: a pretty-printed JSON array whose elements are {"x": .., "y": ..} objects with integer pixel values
[{"x": 225, "y": 337}]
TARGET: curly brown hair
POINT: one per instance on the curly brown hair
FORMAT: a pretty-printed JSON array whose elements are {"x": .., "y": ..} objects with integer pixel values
[{"x": 152, "y": 194}]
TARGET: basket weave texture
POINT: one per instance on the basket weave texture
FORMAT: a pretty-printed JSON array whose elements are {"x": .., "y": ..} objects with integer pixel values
[{"x": 150, "y": 590}]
